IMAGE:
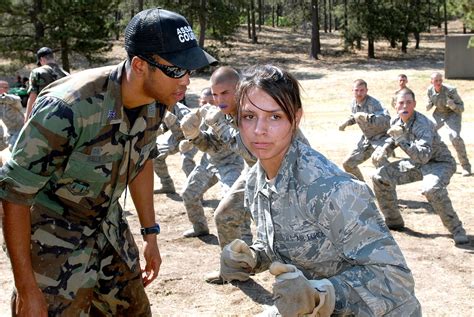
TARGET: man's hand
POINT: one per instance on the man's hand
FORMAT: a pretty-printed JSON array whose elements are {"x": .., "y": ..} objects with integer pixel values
[
  {"x": 214, "y": 116},
  {"x": 343, "y": 126},
  {"x": 190, "y": 125},
  {"x": 397, "y": 132},
  {"x": 152, "y": 256},
  {"x": 294, "y": 295},
  {"x": 361, "y": 117},
  {"x": 379, "y": 155},
  {"x": 185, "y": 146},
  {"x": 30, "y": 302},
  {"x": 169, "y": 119},
  {"x": 451, "y": 105},
  {"x": 237, "y": 261}
]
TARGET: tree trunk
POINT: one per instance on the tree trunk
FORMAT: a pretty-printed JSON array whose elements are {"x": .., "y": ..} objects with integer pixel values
[
  {"x": 260, "y": 15},
  {"x": 273, "y": 16},
  {"x": 330, "y": 15},
  {"x": 248, "y": 22},
  {"x": 65, "y": 54},
  {"x": 325, "y": 17},
  {"x": 371, "y": 47},
  {"x": 202, "y": 23},
  {"x": 315, "y": 41},
  {"x": 445, "y": 17},
  {"x": 38, "y": 24},
  {"x": 140, "y": 5},
  {"x": 417, "y": 39},
  {"x": 252, "y": 16}
]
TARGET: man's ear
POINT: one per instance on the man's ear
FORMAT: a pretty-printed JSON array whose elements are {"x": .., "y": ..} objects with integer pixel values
[{"x": 139, "y": 66}]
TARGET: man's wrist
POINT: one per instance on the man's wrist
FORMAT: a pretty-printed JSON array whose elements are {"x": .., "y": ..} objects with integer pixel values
[{"x": 150, "y": 230}]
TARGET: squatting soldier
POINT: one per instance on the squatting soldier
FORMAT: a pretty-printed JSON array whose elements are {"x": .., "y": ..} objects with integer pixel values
[
  {"x": 168, "y": 144},
  {"x": 448, "y": 112},
  {"x": 373, "y": 120},
  {"x": 428, "y": 160},
  {"x": 47, "y": 72},
  {"x": 11, "y": 113},
  {"x": 89, "y": 137},
  {"x": 318, "y": 229}
]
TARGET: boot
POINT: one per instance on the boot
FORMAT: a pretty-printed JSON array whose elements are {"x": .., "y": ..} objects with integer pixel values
[
  {"x": 167, "y": 187},
  {"x": 466, "y": 171},
  {"x": 214, "y": 278},
  {"x": 198, "y": 230},
  {"x": 459, "y": 236}
]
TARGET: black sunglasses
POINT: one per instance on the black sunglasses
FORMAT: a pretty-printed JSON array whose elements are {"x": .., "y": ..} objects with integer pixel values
[{"x": 170, "y": 71}]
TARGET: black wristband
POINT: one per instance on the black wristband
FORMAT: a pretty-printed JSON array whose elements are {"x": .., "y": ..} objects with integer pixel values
[{"x": 150, "y": 230}]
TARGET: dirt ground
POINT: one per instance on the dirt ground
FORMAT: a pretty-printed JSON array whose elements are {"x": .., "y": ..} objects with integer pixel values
[{"x": 443, "y": 272}]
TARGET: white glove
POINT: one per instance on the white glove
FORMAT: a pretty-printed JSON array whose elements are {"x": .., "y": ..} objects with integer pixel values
[
  {"x": 214, "y": 116},
  {"x": 361, "y": 117},
  {"x": 190, "y": 125},
  {"x": 295, "y": 295},
  {"x": 397, "y": 132},
  {"x": 237, "y": 261},
  {"x": 169, "y": 119},
  {"x": 185, "y": 146},
  {"x": 451, "y": 105},
  {"x": 379, "y": 155}
]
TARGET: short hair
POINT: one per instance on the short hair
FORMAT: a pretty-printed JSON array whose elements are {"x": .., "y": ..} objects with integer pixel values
[
  {"x": 277, "y": 83},
  {"x": 225, "y": 74},
  {"x": 406, "y": 91},
  {"x": 403, "y": 76},
  {"x": 206, "y": 91},
  {"x": 436, "y": 74},
  {"x": 359, "y": 82}
]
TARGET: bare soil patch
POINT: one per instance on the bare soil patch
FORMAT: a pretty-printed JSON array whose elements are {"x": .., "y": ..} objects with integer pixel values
[{"x": 443, "y": 273}]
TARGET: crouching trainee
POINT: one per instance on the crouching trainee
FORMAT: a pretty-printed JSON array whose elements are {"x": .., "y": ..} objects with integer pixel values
[{"x": 318, "y": 229}]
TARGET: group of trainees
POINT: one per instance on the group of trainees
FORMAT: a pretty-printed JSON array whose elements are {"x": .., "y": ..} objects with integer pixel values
[{"x": 318, "y": 229}]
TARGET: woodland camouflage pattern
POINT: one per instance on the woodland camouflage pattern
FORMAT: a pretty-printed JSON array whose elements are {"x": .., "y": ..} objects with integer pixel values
[
  {"x": 445, "y": 116},
  {"x": 43, "y": 76},
  {"x": 319, "y": 219},
  {"x": 72, "y": 163}
]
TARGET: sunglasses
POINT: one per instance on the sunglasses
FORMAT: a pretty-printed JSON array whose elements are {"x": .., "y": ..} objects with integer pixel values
[{"x": 170, "y": 71}]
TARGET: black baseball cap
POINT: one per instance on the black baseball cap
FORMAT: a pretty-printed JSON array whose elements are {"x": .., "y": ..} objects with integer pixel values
[
  {"x": 43, "y": 52},
  {"x": 168, "y": 35}
]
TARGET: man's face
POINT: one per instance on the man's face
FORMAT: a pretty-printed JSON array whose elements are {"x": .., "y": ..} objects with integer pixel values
[
  {"x": 206, "y": 99},
  {"x": 405, "y": 106},
  {"x": 163, "y": 88},
  {"x": 402, "y": 82},
  {"x": 360, "y": 92},
  {"x": 224, "y": 97},
  {"x": 437, "y": 81},
  {"x": 4, "y": 87}
]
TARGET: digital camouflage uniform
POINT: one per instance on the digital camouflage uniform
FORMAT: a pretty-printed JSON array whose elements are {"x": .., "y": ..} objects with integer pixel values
[
  {"x": 443, "y": 115},
  {"x": 44, "y": 75},
  {"x": 428, "y": 160},
  {"x": 218, "y": 163},
  {"x": 11, "y": 113},
  {"x": 168, "y": 144},
  {"x": 324, "y": 222},
  {"x": 72, "y": 163},
  {"x": 373, "y": 133}
]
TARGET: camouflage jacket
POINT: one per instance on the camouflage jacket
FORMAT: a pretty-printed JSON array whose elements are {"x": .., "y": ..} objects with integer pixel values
[
  {"x": 440, "y": 99},
  {"x": 44, "y": 75},
  {"x": 319, "y": 219},
  {"x": 75, "y": 156},
  {"x": 421, "y": 141},
  {"x": 378, "y": 120},
  {"x": 11, "y": 112}
]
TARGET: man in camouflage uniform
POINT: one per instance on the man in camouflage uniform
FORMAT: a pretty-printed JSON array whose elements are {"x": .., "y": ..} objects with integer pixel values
[
  {"x": 168, "y": 144},
  {"x": 372, "y": 119},
  {"x": 402, "y": 84},
  {"x": 47, "y": 72},
  {"x": 11, "y": 113},
  {"x": 448, "y": 112},
  {"x": 90, "y": 136},
  {"x": 428, "y": 160}
]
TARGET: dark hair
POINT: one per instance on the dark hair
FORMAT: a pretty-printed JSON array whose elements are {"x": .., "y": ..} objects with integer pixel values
[
  {"x": 277, "y": 83},
  {"x": 359, "y": 82}
]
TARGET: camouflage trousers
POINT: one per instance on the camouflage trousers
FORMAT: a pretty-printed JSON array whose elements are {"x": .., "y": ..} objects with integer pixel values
[
  {"x": 91, "y": 280},
  {"x": 231, "y": 218},
  {"x": 199, "y": 181},
  {"x": 452, "y": 122},
  {"x": 360, "y": 154},
  {"x": 159, "y": 163},
  {"x": 435, "y": 176}
]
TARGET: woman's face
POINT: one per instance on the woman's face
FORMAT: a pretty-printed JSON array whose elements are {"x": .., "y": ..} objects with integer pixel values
[{"x": 265, "y": 129}]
